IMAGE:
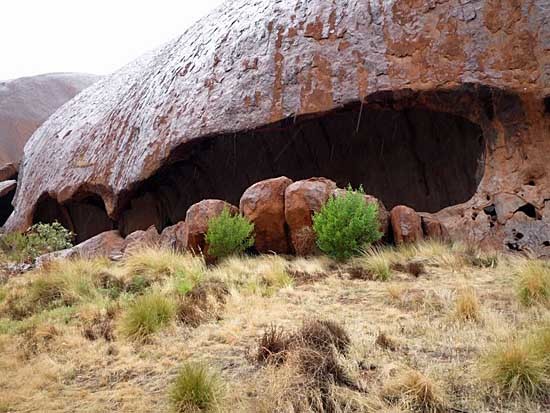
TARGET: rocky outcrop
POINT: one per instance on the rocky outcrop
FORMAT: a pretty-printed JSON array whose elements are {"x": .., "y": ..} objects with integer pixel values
[
  {"x": 25, "y": 104},
  {"x": 172, "y": 237},
  {"x": 142, "y": 239},
  {"x": 196, "y": 223},
  {"x": 418, "y": 101},
  {"x": 264, "y": 205},
  {"x": 433, "y": 228},
  {"x": 406, "y": 225},
  {"x": 108, "y": 244},
  {"x": 302, "y": 200}
]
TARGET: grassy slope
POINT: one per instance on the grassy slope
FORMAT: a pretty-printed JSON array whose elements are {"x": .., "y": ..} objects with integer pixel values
[{"x": 48, "y": 365}]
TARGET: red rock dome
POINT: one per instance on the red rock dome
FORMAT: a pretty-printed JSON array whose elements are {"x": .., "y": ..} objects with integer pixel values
[{"x": 437, "y": 105}]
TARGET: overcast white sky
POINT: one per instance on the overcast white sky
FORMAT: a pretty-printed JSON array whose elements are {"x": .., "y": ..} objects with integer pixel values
[{"x": 92, "y": 36}]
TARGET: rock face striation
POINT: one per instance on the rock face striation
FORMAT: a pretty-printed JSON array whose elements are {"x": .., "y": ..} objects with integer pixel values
[
  {"x": 440, "y": 105},
  {"x": 25, "y": 104}
]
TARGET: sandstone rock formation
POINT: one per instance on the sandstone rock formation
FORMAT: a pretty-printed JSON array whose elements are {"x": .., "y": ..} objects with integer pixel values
[
  {"x": 302, "y": 200},
  {"x": 440, "y": 105},
  {"x": 406, "y": 225},
  {"x": 142, "y": 239},
  {"x": 172, "y": 237},
  {"x": 107, "y": 244},
  {"x": 196, "y": 223},
  {"x": 25, "y": 104},
  {"x": 433, "y": 228},
  {"x": 264, "y": 205}
]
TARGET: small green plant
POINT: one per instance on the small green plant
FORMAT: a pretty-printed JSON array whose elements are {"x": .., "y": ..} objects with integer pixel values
[
  {"x": 518, "y": 367},
  {"x": 534, "y": 283},
  {"x": 196, "y": 389},
  {"x": 346, "y": 225},
  {"x": 147, "y": 315},
  {"x": 37, "y": 240},
  {"x": 229, "y": 234}
]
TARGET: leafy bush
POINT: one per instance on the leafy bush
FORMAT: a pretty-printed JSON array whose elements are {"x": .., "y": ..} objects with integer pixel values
[
  {"x": 37, "y": 240},
  {"x": 148, "y": 314},
  {"x": 196, "y": 389},
  {"x": 228, "y": 234},
  {"x": 346, "y": 225}
]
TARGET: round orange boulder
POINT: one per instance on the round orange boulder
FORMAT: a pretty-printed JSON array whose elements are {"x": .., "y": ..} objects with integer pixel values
[
  {"x": 302, "y": 200},
  {"x": 264, "y": 205},
  {"x": 196, "y": 223}
]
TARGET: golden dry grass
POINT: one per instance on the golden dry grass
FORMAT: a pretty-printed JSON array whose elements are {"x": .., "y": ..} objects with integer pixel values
[{"x": 443, "y": 327}]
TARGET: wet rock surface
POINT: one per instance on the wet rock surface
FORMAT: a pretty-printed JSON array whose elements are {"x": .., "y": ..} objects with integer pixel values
[
  {"x": 302, "y": 200},
  {"x": 196, "y": 223},
  {"x": 107, "y": 244},
  {"x": 406, "y": 225},
  {"x": 264, "y": 205},
  {"x": 418, "y": 101}
]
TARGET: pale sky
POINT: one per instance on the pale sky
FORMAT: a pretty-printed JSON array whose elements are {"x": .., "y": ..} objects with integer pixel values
[{"x": 91, "y": 36}]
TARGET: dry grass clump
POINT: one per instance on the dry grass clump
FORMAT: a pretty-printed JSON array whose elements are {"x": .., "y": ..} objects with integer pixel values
[
  {"x": 261, "y": 276},
  {"x": 196, "y": 390},
  {"x": 414, "y": 392},
  {"x": 156, "y": 264},
  {"x": 534, "y": 282},
  {"x": 146, "y": 315},
  {"x": 37, "y": 339},
  {"x": 467, "y": 307},
  {"x": 377, "y": 262},
  {"x": 520, "y": 367},
  {"x": 202, "y": 303},
  {"x": 273, "y": 346},
  {"x": 311, "y": 361},
  {"x": 386, "y": 342},
  {"x": 61, "y": 284},
  {"x": 99, "y": 323}
]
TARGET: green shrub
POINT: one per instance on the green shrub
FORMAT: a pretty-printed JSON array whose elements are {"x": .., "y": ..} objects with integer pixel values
[
  {"x": 196, "y": 389},
  {"x": 148, "y": 314},
  {"x": 346, "y": 225},
  {"x": 37, "y": 240},
  {"x": 228, "y": 235}
]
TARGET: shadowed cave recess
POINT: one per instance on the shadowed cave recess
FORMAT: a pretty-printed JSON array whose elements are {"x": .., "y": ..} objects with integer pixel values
[{"x": 412, "y": 155}]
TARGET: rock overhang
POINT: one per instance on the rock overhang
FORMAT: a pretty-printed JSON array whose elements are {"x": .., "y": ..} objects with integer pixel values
[{"x": 296, "y": 60}]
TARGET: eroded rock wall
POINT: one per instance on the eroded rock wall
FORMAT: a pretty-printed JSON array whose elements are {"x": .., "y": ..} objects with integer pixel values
[{"x": 255, "y": 63}]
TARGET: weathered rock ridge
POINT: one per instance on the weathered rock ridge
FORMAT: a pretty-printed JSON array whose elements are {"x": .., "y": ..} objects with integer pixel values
[
  {"x": 25, "y": 104},
  {"x": 441, "y": 106}
]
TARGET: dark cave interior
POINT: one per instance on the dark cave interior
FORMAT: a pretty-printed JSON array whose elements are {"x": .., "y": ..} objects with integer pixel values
[
  {"x": 423, "y": 158},
  {"x": 6, "y": 207}
]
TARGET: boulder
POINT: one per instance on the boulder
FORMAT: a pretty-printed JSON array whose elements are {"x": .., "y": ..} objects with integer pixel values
[
  {"x": 7, "y": 171},
  {"x": 140, "y": 239},
  {"x": 172, "y": 237},
  {"x": 383, "y": 214},
  {"x": 406, "y": 225},
  {"x": 264, "y": 205},
  {"x": 302, "y": 200},
  {"x": 108, "y": 244},
  {"x": 433, "y": 228},
  {"x": 7, "y": 186},
  {"x": 196, "y": 223}
]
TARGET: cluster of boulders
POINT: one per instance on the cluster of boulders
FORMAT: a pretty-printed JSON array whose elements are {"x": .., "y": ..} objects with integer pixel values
[{"x": 281, "y": 211}]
